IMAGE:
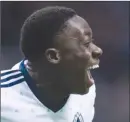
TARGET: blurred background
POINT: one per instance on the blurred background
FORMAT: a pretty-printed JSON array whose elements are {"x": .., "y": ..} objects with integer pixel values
[{"x": 110, "y": 24}]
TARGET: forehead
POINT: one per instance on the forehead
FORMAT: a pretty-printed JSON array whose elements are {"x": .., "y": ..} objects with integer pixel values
[
  {"x": 76, "y": 29},
  {"x": 78, "y": 26}
]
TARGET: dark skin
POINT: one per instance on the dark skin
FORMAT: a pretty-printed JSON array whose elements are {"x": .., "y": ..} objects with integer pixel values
[{"x": 61, "y": 70}]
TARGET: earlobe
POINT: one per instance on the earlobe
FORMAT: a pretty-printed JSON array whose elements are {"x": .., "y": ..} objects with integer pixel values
[{"x": 53, "y": 55}]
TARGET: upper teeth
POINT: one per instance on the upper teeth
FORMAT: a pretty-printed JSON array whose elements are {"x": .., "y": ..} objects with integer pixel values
[{"x": 94, "y": 66}]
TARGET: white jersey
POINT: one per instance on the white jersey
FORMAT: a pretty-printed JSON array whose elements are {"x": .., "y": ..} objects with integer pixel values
[{"x": 19, "y": 104}]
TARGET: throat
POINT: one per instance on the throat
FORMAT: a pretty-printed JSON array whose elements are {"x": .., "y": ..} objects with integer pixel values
[
  {"x": 55, "y": 106},
  {"x": 53, "y": 102}
]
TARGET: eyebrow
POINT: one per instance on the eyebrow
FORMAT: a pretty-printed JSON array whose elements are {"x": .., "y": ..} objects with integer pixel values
[
  {"x": 88, "y": 32},
  {"x": 90, "y": 39}
]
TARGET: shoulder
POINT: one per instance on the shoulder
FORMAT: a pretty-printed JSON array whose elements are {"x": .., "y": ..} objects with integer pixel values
[
  {"x": 91, "y": 95},
  {"x": 11, "y": 84},
  {"x": 88, "y": 102},
  {"x": 86, "y": 99},
  {"x": 8, "y": 83},
  {"x": 10, "y": 78}
]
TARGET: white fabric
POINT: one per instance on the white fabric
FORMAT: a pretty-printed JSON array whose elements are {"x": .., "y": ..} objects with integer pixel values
[{"x": 19, "y": 104}]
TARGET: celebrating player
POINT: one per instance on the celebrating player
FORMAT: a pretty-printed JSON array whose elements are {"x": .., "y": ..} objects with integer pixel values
[{"x": 53, "y": 82}]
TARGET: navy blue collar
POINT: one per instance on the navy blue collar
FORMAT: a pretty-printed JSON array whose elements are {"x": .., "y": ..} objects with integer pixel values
[{"x": 31, "y": 83}]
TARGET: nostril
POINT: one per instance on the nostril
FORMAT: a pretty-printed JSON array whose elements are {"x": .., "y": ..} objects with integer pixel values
[{"x": 96, "y": 54}]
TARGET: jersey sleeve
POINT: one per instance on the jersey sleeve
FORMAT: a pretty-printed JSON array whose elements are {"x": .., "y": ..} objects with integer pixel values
[{"x": 5, "y": 109}]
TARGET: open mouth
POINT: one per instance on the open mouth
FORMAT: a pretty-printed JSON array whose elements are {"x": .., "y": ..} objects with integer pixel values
[{"x": 90, "y": 78}]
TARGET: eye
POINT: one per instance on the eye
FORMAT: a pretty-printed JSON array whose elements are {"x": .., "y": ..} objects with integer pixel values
[{"x": 86, "y": 44}]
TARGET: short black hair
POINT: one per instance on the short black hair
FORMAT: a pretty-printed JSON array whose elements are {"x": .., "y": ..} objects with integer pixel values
[{"x": 40, "y": 28}]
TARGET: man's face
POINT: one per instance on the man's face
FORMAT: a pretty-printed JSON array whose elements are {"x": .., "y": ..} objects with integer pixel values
[{"x": 78, "y": 55}]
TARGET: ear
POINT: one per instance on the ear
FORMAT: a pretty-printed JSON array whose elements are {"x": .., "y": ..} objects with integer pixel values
[{"x": 53, "y": 55}]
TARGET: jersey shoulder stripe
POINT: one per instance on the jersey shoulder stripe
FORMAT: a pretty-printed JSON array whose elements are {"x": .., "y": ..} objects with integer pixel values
[
  {"x": 5, "y": 72},
  {"x": 10, "y": 78}
]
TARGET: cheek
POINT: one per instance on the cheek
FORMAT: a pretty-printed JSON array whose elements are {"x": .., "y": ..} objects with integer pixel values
[
  {"x": 88, "y": 54},
  {"x": 84, "y": 53},
  {"x": 78, "y": 59},
  {"x": 83, "y": 58}
]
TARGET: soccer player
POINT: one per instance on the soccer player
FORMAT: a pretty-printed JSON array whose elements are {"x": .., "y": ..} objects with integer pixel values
[{"x": 53, "y": 82}]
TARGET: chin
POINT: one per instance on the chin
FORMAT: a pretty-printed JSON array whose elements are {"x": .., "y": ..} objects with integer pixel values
[
  {"x": 84, "y": 92},
  {"x": 81, "y": 91}
]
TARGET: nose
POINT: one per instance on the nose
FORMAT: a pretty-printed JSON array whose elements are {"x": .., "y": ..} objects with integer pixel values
[{"x": 97, "y": 53}]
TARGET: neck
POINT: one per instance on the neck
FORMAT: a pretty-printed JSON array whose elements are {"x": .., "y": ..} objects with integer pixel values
[{"x": 53, "y": 94}]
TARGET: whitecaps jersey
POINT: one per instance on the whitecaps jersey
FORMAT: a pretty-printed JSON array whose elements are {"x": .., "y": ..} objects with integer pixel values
[{"x": 19, "y": 104}]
